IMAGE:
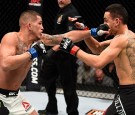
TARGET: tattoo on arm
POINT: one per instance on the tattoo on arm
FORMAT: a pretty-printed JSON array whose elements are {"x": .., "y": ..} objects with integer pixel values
[
  {"x": 55, "y": 39},
  {"x": 52, "y": 37}
]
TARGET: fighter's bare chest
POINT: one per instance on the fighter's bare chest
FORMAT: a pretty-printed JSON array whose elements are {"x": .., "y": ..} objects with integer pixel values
[{"x": 21, "y": 48}]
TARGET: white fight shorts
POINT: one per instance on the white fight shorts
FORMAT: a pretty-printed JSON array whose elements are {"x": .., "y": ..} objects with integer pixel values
[{"x": 15, "y": 102}]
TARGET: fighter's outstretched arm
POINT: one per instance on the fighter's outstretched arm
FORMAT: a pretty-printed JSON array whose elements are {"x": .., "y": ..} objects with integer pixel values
[{"x": 75, "y": 36}]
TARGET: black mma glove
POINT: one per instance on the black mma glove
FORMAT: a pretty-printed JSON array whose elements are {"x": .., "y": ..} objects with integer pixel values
[
  {"x": 50, "y": 53},
  {"x": 37, "y": 49},
  {"x": 99, "y": 31},
  {"x": 67, "y": 46}
]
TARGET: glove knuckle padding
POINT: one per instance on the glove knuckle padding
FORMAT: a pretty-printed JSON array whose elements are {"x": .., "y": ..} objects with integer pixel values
[
  {"x": 99, "y": 31},
  {"x": 103, "y": 27},
  {"x": 37, "y": 49}
]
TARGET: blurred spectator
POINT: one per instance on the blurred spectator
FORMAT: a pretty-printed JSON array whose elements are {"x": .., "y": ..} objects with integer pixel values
[
  {"x": 110, "y": 71},
  {"x": 84, "y": 72},
  {"x": 100, "y": 78}
]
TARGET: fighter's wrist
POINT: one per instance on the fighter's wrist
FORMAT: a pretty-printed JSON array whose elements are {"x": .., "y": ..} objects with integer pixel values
[
  {"x": 77, "y": 52},
  {"x": 85, "y": 28},
  {"x": 33, "y": 53},
  {"x": 93, "y": 32},
  {"x": 29, "y": 55},
  {"x": 74, "y": 50}
]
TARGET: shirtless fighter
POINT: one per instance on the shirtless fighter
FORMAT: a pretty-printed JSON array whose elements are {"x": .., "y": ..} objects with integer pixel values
[
  {"x": 16, "y": 54},
  {"x": 121, "y": 50}
]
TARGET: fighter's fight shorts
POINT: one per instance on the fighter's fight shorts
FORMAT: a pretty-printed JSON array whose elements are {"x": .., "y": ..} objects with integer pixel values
[
  {"x": 124, "y": 101},
  {"x": 15, "y": 103}
]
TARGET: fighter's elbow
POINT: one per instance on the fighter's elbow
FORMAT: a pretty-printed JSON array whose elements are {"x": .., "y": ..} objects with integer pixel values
[
  {"x": 98, "y": 65},
  {"x": 5, "y": 66}
]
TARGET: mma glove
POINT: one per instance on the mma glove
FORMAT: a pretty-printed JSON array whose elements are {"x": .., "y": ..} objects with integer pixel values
[
  {"x": 95, "y": 32},
  {"x": 50, "y": 53},
  {"x": 99, "y": 31},
  {"x": 37, "y": 49},
  {"x": 67, "y": 46}
]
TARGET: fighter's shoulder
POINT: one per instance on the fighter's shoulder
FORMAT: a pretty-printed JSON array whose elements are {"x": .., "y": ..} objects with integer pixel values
[
  {"x": 10, "y": 36},
  {"x": 121, "y": 37},
  {"x": 131, "y": 35},
  {"x": 120, "y": 40}
]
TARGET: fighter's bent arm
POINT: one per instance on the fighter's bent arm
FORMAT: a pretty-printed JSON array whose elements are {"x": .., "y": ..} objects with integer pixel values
[
  {"x": 8, "y": 57},
  {"x": 105, "y": 57},
  {"x": 95, "y": 46}
]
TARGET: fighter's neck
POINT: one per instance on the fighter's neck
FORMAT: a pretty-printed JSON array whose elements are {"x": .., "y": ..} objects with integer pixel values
[
  {"x": 24, "y": 38},
  {"x": 122, "y": 30}
]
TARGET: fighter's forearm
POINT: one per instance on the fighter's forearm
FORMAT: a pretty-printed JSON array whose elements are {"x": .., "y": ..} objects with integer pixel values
[
  {"x": 52, "y": 40},
  {"x": 93, "y": 45},
  {"x": 105, "y": 43},
  {"x": 77, "y": 35},
  {"x": 14, "y": 62}
]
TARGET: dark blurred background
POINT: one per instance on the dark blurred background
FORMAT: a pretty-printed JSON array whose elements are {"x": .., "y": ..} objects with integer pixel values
[{"x": 91, "y": 10}]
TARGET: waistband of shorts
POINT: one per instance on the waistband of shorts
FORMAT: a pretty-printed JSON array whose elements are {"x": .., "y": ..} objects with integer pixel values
[
  {"x": 127, "y": 86},
  {"x": 9, "y": 93}
]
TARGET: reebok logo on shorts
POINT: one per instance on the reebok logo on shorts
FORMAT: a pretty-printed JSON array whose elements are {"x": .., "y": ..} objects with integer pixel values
[{"x": 26, "y": 105}]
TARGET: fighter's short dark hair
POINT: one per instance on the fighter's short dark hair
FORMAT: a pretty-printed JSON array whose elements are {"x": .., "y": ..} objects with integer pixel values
[{"x": 118, "y": 11}]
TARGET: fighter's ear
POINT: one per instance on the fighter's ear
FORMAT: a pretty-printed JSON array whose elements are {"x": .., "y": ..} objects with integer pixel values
[
  {"x": 117, "y": 21},
  {"x": 29, "y": 26}
]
